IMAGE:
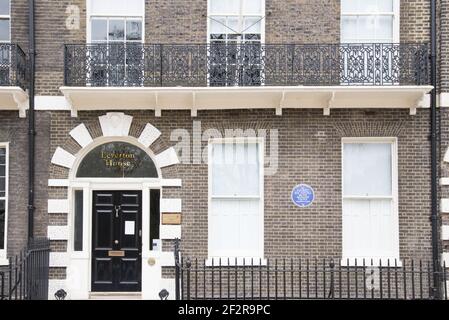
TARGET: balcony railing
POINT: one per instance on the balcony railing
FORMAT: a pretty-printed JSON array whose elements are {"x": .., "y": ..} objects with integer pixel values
[
  {"x": 220, "y": 65},
  {"x": 13, "y": 66}
]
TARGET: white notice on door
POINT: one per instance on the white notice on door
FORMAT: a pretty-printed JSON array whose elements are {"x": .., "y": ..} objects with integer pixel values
[{"x": 129, "y": 228}]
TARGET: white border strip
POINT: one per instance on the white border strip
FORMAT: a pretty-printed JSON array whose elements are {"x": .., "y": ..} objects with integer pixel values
[
  {"x": 444, "y": 100},
  {"x": 172, "y": 183},
  {"x": 444, "y": 206},
  {"x": 58, "y": 206},
  {"x": 58, "y": 232},
  {"x": 59, "y": 259},
  {"x": 170, "y": 232},
  {"x": 171, "y": 205},
  {"x": 445, "y": 233},
  {"x": 58, "y": 182}
]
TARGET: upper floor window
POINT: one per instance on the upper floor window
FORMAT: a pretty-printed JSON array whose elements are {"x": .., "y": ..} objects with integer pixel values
[
  {"x": 3, "y": 199},
  {"x": 114, "y": 21},
  {"x": 5, "y": 21},
  {"x": 115, "y": 28},
  {"x": 230, "y": 24},
  {"x": 370, "y": 21},
  {"x": 236, "y": 20}
]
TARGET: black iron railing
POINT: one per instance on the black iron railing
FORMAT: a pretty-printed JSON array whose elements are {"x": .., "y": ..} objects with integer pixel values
[
  {"x": 297, "y": 279},
  {"x": 13, "y": 66},
  {"x": 201, "y": 65},
  {"x": 26, "y": 276}
]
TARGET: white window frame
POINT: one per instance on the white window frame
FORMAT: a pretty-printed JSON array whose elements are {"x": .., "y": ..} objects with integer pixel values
[
  {"x": 7, "y": 16},
  {"x": 240, "y": 16},
  {"x": 396, "y": 19},
  {"x": 258, "y": 258},
  {"x": 125, "y": 20},
  {"x": 89, "y": 17},
  {"x": 107, "y": 17},
  {"x": 393, "y": 141},
  {"x": 3, "y": 252}
]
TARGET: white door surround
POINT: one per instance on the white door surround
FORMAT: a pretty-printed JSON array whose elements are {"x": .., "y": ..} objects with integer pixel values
[{"x": 115, "y": 127}]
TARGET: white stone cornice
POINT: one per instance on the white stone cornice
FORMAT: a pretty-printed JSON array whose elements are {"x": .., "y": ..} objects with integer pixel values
[{"x": 221, "y": 98}]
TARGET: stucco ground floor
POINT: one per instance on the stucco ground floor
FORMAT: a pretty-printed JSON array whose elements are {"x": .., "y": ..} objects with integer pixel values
[{"x": 86, "y": 171}]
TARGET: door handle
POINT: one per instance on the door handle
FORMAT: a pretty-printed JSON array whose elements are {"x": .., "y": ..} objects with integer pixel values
[{"x": 117, "y": 208}]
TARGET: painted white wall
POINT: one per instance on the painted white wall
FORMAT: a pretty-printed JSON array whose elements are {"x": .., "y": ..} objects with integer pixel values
[{"x": 151, "y": 275}]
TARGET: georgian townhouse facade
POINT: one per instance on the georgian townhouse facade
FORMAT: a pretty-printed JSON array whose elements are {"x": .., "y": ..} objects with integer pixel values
[{"x": 249, "y": 129}]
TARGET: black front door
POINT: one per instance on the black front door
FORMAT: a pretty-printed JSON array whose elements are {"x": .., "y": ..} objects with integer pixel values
[{"x": 116, "y": 241}]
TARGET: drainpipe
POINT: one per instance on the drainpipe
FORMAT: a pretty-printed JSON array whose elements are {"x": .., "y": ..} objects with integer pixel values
[
  {"x": 31, "y": 120},
  {"x": 434, "y": 151}
]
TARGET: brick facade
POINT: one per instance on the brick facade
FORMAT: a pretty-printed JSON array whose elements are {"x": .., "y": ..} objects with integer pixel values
[
  {"x": 292, "y": 21},
  {"x": 310, "y": 150},
  {"x": 309, "y": 143},
  {"x": 14, "y": 131}
]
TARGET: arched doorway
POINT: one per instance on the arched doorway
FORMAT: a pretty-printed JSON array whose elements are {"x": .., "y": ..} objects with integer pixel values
[{"x": 121, "y": 184}]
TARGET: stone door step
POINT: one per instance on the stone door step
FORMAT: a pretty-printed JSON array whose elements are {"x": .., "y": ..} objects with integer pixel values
[{"x": 115, "y": 296}]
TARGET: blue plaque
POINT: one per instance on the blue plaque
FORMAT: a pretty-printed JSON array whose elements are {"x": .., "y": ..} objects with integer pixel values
[{"x": 303, "y": 195}]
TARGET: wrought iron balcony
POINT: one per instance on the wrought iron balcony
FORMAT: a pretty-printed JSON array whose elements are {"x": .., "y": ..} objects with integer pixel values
[
  {"x": 224, "y": 65},
  {"x": 13, "y": 66}
]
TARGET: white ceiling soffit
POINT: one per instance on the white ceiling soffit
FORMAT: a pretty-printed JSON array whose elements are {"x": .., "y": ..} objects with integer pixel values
[
  {"x": 14, "y": 98},
  {"x": 195, "y": 99}
]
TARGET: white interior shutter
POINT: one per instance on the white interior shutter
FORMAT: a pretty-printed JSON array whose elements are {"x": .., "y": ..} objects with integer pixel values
[
  {"x": 235, "y": 217},
  {"x": 370, "y": 227}
]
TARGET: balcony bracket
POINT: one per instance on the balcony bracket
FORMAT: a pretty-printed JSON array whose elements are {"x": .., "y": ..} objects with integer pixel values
[
  {"x": 421, "y": 102},
  {"x": 281, "y": 105},
  {"x": 330, "y": 104},
  {"x": 194, "y": 110},
  {"x": 14, "y": 98},
  {"x": 157, "y": 109},
  {"x": 22, "y": 103},
  {"x": 73, "y": 111}
]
